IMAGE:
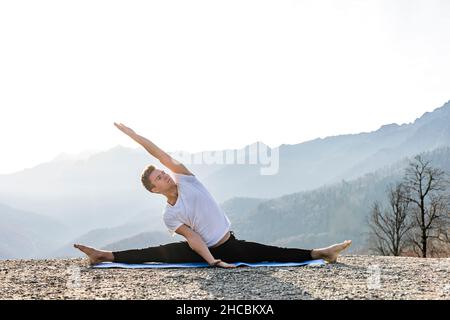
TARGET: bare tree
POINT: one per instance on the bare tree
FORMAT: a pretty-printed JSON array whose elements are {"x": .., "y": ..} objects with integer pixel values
[
  {"x": 429, "y": 208},
  {"x": 391, "y": 226},
  {"x": 441, "y": 240}
]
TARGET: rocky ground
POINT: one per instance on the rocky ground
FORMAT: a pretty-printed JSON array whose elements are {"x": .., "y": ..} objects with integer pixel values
[{"x": 353, "y": 277}]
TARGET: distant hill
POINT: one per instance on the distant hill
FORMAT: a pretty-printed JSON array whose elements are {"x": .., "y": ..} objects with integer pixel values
[
  {"x": 328, "y": 214},
  {"x": 312, "y": 219},
  {"x": 143, "y": 240},
  {"x": 102, "y": 191},
  {"x": 311, "y": 164},
  {"x": 102, "y": 237},
  {"x": 28, "y": 235},
  {"x": 236, "y": 208}
]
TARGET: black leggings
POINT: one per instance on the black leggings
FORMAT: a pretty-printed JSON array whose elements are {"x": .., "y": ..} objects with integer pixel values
[{"x": 233, "y": 250}]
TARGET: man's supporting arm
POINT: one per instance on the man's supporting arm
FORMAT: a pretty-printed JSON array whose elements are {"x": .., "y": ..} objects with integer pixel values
[{"x": 196, "y": 243}]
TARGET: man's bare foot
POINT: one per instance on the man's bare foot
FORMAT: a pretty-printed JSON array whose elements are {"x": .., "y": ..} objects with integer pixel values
[
  {"x": 330, "y": 253},
  {"x": 95, "y": 256}
]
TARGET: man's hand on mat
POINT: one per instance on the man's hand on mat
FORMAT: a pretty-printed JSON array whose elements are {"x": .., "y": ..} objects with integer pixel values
[
  {"x": 225, "y": 265},
  {"x": 222, "y": 264},
  {"x": 128, "y": 131}
]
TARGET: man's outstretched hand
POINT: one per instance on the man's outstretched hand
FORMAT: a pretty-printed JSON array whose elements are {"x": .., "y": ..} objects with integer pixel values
[
  {"x": 222, "y": 264},
  {"x": 225, "y": 265},
  {"x": 128, "y": 131},
  {"x": 153, "y": 149}
]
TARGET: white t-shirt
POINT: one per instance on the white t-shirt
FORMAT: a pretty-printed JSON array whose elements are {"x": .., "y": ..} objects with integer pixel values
[{"x": 198, "y": 209}]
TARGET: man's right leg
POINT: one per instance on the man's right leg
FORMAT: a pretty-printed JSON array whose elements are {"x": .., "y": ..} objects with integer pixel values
[
  {"x": 248, "y": 251},
  {"x": 177, "y": 252}
]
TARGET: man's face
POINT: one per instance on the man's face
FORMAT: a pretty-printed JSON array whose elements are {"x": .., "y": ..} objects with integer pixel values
[{"x": 161, "y": 181}]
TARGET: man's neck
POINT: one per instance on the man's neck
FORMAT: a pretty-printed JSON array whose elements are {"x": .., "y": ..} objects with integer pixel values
[{"x": 172, "y": 195}]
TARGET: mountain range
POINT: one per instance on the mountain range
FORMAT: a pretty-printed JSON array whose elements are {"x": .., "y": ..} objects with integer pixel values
[{"x": 99, "y": 198}]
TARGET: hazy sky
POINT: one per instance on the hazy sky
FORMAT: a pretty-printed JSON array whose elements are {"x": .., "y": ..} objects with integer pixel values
[{"x": 203, "y": 75}]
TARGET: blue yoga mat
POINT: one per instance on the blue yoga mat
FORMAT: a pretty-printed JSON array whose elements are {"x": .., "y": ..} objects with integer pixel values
[{"x": 204, "y": 264}]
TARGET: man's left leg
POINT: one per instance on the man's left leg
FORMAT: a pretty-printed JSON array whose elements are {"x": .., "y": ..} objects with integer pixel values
[{"x": 176, "y": 252}]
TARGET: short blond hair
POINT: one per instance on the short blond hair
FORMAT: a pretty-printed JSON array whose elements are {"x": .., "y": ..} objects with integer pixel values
[{"x": 145, "y": 177}]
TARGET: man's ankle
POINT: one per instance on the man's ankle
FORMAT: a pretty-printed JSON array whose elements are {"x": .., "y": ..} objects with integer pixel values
[
  {"x": 108, "y": 256},
  {"x": 316, "y": 254}
]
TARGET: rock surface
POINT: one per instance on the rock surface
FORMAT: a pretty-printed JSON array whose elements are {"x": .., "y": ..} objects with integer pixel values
[{"x": 353, "y": 277}]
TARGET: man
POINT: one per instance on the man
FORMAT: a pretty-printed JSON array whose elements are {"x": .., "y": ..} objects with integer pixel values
[{"x": 192, "y": 212}]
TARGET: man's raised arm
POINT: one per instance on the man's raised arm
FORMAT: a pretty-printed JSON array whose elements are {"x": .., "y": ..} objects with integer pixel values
[{"x": 163, "y": 157}]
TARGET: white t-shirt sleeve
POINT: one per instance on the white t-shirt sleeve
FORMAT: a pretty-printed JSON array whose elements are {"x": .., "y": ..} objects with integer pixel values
[{"x": 172, "y": 223}]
